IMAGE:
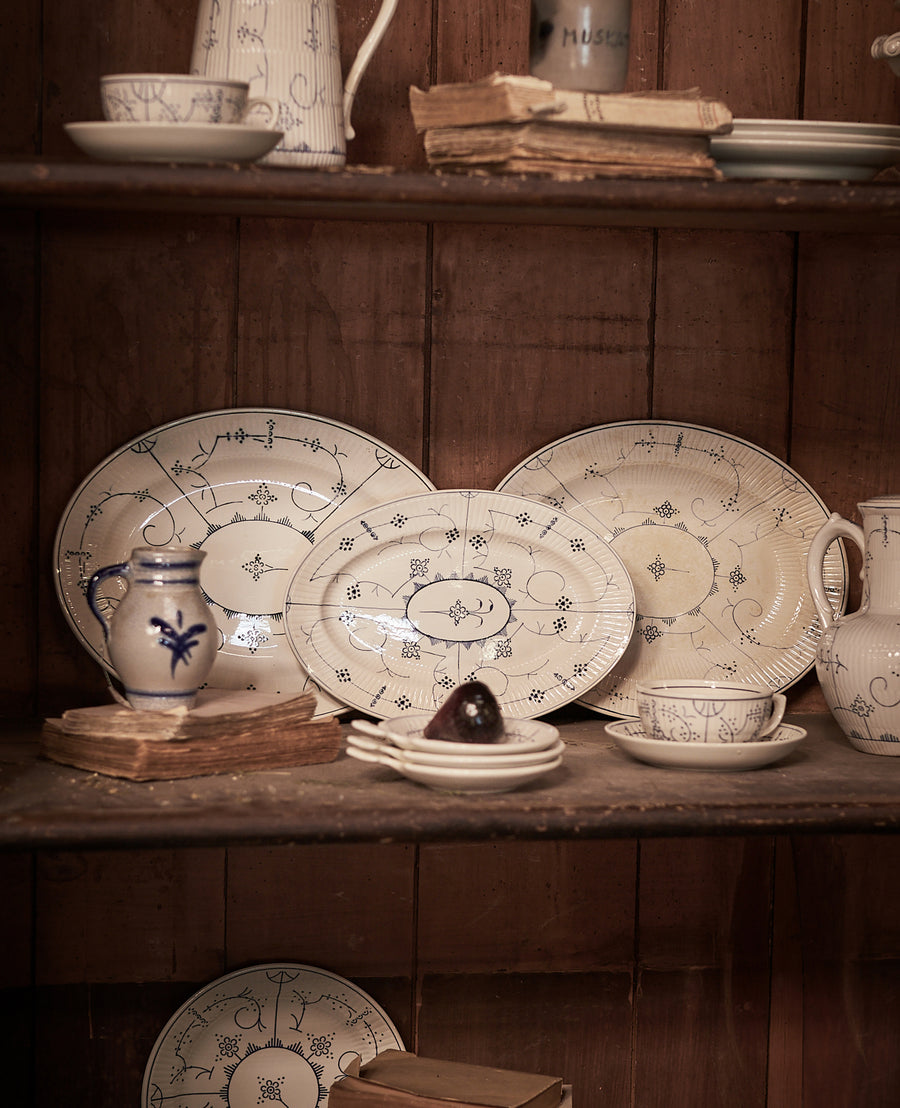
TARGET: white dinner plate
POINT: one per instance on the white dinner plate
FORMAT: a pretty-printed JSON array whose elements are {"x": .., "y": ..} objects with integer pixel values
[
  {"x": 397, "y": 607},
  {"x": 462, "y": 779},
  {"x": 806, "y": 149},
  {"x": 520, "y": 736},
  {"x": 714, "y": 532},
  {"x": 253, "y": 488},
  {"x": 630, "y": 736},
  {"x": 278, "y": 1033},
  {"x": 172, "y": 142}
]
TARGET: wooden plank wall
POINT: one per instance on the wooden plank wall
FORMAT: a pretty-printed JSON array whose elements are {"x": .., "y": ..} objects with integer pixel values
[{"x": 735, "y": 972}]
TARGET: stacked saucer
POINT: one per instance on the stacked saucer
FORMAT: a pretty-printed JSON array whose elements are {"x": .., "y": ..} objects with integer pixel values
[{"x": 528, "y": 750}]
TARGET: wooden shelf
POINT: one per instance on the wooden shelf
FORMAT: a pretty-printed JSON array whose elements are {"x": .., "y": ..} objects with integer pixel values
[
  {"x": 371, "y": 193},
  {"x": 825, "y": 785}
]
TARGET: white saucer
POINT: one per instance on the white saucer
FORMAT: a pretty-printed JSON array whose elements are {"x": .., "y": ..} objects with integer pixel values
[
  {"x": 461, "y": 780},
  {"x": 520, "y": 736},
  {"x": 391, "y": 755},
  {"x": 629, "y": 735},
  {"x": 172, "y": 142}
]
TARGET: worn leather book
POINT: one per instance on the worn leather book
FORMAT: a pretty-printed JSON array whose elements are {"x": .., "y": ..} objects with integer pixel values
[
  {"x": 543, "y": 144},
  {"x": 225, "y": 733},
  {"x": 509, "y": 98},
  {"x": 398, "y": 1079}
]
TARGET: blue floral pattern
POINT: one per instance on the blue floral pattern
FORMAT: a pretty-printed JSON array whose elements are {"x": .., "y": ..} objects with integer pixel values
[
  {"x": 714, "y": 532},
  {"x": 254, "y": 489},
  {"x": 471, "y": 586}
]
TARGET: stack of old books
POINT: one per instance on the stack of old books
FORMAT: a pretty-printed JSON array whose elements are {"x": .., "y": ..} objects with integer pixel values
[
  {"x": 513, "y": 124},
  {"x": 398, "y": 1079},
  {"x": 226, "y": 732}
]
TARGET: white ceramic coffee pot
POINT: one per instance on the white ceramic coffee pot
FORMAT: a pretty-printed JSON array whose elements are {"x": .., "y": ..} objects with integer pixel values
[{"x": 289, "y": 50}]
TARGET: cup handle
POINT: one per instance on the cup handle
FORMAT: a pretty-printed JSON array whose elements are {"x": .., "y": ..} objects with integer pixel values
[
  {"x": 779, "y": 703},
  {"x": 264, "y": 111},
  {"x": 120, "y": 570}
]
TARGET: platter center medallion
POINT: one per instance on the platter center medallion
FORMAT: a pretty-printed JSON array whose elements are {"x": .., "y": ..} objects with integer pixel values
[
  {"x": 672, "y": 570},
  {"x": 455, "y": 610}
]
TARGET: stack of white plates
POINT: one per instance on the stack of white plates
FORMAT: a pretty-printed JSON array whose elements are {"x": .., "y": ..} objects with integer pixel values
[
  {"x": 806, "y": 149},
  {"x": 528, "y": 750}
]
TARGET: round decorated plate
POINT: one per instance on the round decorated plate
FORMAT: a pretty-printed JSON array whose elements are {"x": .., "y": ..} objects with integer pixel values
[
  {"x": 278, "y": 1033},
  {"x": 253, "y": 488},
  {"x": 396, "y": 607},
  {"x": 714, "y": 533}
]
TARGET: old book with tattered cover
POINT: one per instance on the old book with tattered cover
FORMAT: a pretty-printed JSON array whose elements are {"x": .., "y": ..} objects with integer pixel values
[{"x": 398, "y": 1079}]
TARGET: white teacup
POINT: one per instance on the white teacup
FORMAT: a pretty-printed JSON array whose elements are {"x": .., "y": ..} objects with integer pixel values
[
  {"x": 689, "y": 711},
  {"x": 183, "y": 98}
]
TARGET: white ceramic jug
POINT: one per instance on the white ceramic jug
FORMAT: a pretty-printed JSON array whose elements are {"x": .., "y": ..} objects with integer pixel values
[
  {"x": 161, "y": 636},
  {"x": 858, "y": 658},
  {"x": 289, "y": 50}
]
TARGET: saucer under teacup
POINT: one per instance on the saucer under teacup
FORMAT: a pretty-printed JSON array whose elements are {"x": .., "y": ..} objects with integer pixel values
[{"x": 629, "y": 735}]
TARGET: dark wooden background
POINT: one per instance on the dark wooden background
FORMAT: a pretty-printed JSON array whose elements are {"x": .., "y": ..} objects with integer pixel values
[{"x": 738, "y": 971}]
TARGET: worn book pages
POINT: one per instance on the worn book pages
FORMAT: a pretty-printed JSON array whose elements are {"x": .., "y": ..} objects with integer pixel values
[
  {"x": 398, "y": 1079},
  {"x": 508, "y": 98},
  {"x": 225, "y": 733},
  {"x": 504, "y": 141}
]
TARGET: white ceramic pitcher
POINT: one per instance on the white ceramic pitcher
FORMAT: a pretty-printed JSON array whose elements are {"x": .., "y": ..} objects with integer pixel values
[
  {"x": 289, "y": 50},
  {"x": 858, "y": 657}
]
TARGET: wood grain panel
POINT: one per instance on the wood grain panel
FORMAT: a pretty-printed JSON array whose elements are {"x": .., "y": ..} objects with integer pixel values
[
  {"x": 722, "y": 348},
  {"x": 110, "y": 36},
  {"x": 526, "y": 907},
  {"x": 366, "y": 894},
  {"x": 381, "y": 118},
  {"x": 95, "y": 1041},
  {"x": 20, "y": 567},
  {"x": 849, "y": 912},
  {"x": 843, "y": 81},
  {"x": 20, "y": 29},
  {"x": 16, "y": 921},
  {"x": 475, "y": 39},
  {"x": 332, "y": 321},
  {"x": 749, "y": 56},
  {"x": 702, "y": 1009},
  {"x": 785, "y": 1066},
  {"x": 137, "y": 327},
  {"x": 574, "y": 1026},
  {"x": 130, "y": 916},
  {"x": 537, "y": 332},
  {"x": 846, "y": 401}
]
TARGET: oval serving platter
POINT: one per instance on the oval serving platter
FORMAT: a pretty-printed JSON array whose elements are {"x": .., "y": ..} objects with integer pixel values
[
  {"x": 253, "y": 488},
  {"x": 714, "y": 532},
  {"x": 396, "y": 607}
]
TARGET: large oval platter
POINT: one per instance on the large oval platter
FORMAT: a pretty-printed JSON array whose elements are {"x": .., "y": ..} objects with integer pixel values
[
  {"x": 253, "y": 488},
  {"x": 398, "y": 606},
  {"x": 714, "y": 533},
  {"x": 278, "y": 1033}
]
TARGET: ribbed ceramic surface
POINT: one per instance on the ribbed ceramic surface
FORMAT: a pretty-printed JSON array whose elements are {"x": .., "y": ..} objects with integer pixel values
[{"x": 287, "y": 49}]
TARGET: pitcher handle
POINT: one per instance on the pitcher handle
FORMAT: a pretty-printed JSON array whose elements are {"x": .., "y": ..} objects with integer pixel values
[
  {"x": 120, "y": 570},
  {"x": 363, "y": 57},
  {"x": 835, "y": 528}
]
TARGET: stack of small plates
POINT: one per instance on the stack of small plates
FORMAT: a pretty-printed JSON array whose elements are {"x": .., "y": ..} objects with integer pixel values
[
  {"x": 806, "y": 149},
  {"x": 528, "y": 750}
]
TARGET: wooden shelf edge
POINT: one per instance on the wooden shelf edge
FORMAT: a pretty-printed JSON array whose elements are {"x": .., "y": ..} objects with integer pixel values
[
  {"x": 374, "y": 193},
  {"x": 824, "y": 786}
]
